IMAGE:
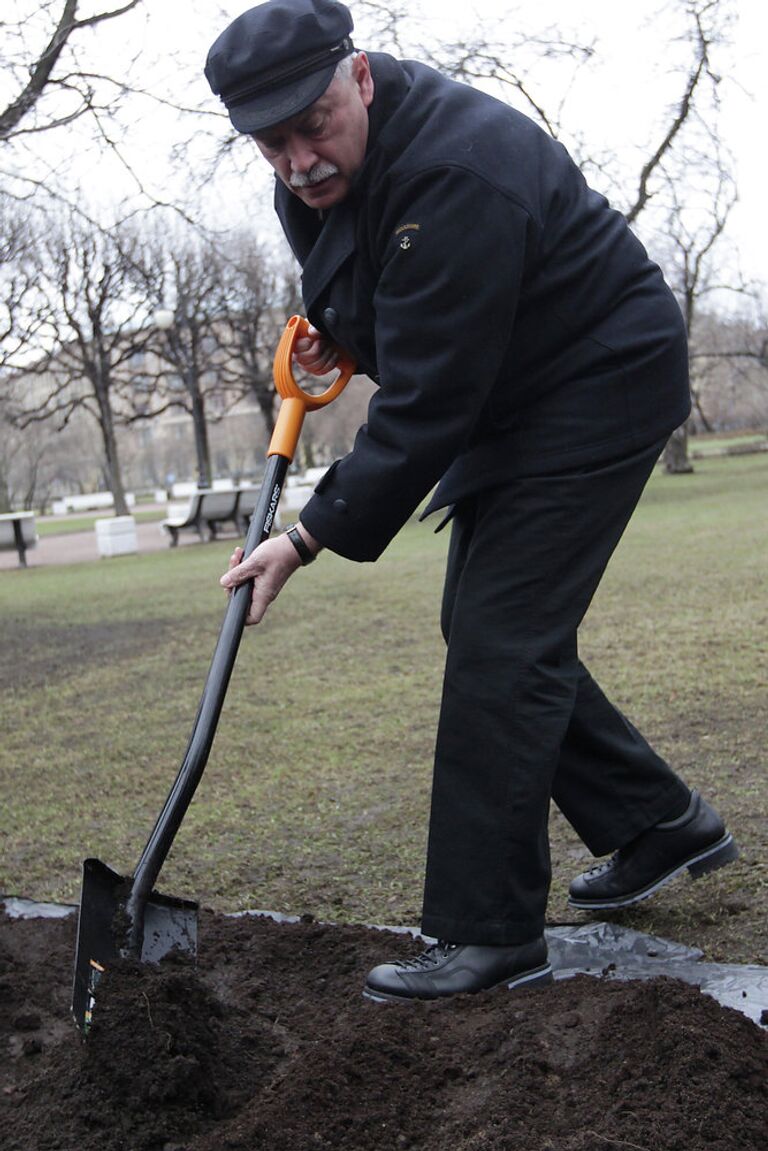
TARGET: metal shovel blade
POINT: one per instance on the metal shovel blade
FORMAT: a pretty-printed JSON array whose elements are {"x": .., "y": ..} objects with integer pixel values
[{"x": 169, "y": 924}]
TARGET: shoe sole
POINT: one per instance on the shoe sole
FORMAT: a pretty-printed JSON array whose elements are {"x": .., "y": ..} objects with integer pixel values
[
  {"x": 718, "y": 855},
  {"x": 537, "y": 976}
]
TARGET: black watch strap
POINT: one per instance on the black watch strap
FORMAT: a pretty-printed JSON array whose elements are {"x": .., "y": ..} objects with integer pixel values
[{"x": 294, "y": 535}]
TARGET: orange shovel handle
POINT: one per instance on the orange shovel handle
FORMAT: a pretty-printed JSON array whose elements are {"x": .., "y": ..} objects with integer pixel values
[{"x": 295, "y": 402}]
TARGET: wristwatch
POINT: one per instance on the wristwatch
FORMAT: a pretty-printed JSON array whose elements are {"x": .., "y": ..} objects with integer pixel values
[{"x": 305, "y": 554}]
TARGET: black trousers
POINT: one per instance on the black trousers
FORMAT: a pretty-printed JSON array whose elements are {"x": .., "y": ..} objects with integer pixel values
[{"x": 522, "y": 721}]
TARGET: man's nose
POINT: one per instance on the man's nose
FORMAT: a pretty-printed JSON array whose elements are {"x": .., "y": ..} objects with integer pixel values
[{"x": 301, "y": 156}]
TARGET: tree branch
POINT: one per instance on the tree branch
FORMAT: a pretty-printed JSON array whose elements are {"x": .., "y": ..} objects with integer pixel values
[
  {"x": 643, "y": 192},
  {"x": 89, "y": 21},
  {"x": 41, "y": 73}
]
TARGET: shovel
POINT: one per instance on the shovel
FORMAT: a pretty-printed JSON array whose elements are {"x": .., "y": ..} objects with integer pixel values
[{"x": 123, "y": 916}]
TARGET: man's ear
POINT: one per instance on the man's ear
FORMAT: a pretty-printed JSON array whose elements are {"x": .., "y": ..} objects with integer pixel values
[{"x": 361, "y": 71}]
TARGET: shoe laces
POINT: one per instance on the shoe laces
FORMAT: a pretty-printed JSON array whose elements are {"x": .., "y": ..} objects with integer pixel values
[
  {"x": 430, "y": 957},
  {"x": 605, "y": 865}
]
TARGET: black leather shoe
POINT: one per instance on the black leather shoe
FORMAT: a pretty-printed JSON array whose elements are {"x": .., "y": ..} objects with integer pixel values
[
  {"x": 697, "y": 840},
  {"x": 459, "y": 968}
]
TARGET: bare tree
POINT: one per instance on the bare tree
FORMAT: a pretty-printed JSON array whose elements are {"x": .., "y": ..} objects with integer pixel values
[
  {"x": 218, "y": 308},
  {"x": 707, "y": 22},
  {"x": 729, "y": 366},
  {"x": 38, "y": 460},
  {"x": 263, "y": 293},
  {"x": 691, "y": 238},
  {"x": 82, "y": 313},
  {"x": 181, "y": 276},
  {"x": 10, "y": 446},
  {"x": 684, "y": 196},
  {"x": 17, "y": 284},
  {"x": 17, "y": 277}
]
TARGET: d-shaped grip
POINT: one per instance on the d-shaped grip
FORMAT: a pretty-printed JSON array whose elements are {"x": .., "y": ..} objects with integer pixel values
[{"x": 295, "y": 402}]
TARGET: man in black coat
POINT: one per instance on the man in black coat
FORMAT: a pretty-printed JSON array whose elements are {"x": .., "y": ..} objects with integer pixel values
[{"x": 531, "y": 363}]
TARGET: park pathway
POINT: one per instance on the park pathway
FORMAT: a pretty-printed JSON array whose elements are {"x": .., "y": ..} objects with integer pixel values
[{"x": 81, "y": 547}]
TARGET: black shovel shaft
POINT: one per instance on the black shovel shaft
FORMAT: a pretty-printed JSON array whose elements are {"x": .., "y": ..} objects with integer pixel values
[{"x": 204, "y": 728}]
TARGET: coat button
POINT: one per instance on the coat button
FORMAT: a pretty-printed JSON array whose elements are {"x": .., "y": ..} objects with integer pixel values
[
  {"x": 331, "y": 317},
  {"x": 340, "y": 506}
]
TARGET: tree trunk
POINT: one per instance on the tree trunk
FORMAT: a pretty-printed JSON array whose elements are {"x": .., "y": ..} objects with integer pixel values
[
  {"x": 6, "y": 495},
  {"x": 202, "y": 448},
  {"x": 111, "y": 459},
  {"x": 30, "y": 495},
  {"x": 675, "y": 454},
  {"x": 266, "y": 401}
]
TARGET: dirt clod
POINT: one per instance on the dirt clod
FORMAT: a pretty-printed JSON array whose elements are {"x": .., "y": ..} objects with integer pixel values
[
  {"x": 26, "y": 1021},
  {"x": 267, "y": 1045}
]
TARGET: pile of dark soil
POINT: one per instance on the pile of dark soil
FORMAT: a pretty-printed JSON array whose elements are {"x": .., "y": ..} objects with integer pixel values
[{"x": 268, "y": 1044}]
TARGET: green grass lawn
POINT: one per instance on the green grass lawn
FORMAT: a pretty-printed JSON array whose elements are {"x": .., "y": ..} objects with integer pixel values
[
  {"x": 316, "y": 795},
  {"x": 717, "y": 443}
]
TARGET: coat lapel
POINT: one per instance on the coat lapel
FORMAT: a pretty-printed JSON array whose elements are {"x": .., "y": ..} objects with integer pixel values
[
  {"x": 334, "y": 245},
  {"x": 320, "y": 246}
]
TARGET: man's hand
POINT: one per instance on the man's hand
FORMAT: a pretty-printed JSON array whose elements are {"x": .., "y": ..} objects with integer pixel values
[
  {"x": 269, "y": 566},
  {"x": 315, "y": 354}
]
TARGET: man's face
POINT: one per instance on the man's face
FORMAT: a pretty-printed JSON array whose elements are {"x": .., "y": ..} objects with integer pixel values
[{"x": 318, "y": 152}]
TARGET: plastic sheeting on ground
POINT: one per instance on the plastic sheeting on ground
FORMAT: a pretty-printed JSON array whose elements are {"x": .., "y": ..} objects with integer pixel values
[{"x": 599, "y": 949}]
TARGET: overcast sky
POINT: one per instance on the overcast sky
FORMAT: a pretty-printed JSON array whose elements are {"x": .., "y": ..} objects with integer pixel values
[{"x": 611, "y": 105}]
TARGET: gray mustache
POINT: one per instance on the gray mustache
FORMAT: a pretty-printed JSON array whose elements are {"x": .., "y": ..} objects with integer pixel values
[{"x": 315, "y": 175}]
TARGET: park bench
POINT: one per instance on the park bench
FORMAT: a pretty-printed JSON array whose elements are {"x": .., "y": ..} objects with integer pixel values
[
  {"x": 219, "y": 508},
  {"x": 246, "y": 506},
  {"x": 181, "y": 521},
  {"x": 17, "y": 533},
  {"x": 207, "y": 510}
]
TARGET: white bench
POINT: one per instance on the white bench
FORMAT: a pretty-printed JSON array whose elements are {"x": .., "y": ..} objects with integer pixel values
[
  {"x": 219, "y": 507},
  {"x": 178, "y": 521},
  {"x": 90, "y": 502},
  {"x": 207, "y": 510},
  {"x": 17, "y": 533}
]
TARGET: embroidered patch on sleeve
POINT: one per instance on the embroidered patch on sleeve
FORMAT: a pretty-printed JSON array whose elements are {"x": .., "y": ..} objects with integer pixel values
[{"x": 405, "y": 233}]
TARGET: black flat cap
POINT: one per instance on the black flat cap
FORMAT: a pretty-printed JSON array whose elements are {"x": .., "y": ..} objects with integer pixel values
[{"x": 277, "y": 59}]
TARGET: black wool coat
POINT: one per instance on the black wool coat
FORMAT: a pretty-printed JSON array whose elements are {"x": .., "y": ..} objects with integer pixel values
[{"x": 513, "y": 322}]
